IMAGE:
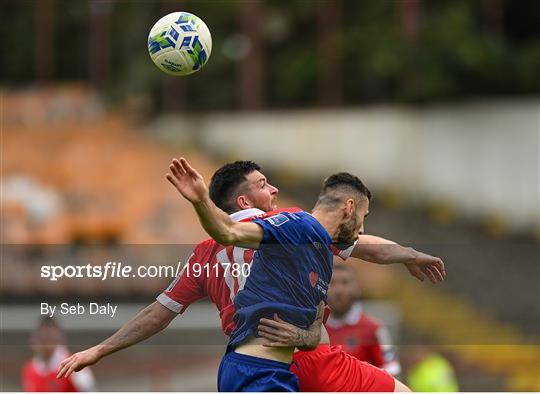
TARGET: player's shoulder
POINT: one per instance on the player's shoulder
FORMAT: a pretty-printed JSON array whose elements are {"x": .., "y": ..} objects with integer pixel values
[
  {"x": 283, "y": 216},
  {"x": 293, "y": 226},
  {"x": 297, "y": 222}
]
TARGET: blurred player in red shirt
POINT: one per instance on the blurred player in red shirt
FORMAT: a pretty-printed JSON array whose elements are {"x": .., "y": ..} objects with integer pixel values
[
  {"x": 39, "y": 373},
  {"x": 361, "y": 335}
]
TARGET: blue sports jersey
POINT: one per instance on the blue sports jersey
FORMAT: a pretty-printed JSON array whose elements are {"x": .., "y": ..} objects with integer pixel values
[{"x": 289, "y": 274}]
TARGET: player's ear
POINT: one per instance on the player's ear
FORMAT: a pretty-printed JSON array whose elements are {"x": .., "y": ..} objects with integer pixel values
[
  {"x": 349, "y": 207},
  {"x": 243, "y": 202}
]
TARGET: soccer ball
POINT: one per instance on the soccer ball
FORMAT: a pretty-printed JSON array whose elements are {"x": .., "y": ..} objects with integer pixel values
[{"x": 180, "y": 43}]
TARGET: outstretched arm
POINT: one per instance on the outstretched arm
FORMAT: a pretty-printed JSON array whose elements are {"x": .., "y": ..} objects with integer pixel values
[
  {"x": 146, "y": 323},
  {"x": 382, "y": 251},
  {"x": 217, "y": 223}
]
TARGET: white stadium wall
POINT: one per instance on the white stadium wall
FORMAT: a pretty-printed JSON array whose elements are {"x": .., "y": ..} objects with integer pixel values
[{"x": 482, "y": 157}]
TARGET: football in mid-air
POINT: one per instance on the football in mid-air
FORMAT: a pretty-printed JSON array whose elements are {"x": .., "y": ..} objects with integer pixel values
[{"x": 180, "y": 43}]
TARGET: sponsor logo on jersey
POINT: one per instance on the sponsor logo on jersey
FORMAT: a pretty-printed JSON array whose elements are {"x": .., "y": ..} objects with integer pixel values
[{"x": 277, "y": 220}]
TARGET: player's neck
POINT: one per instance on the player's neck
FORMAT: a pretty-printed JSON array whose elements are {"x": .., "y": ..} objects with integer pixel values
[{"x": 328, "y": 220}]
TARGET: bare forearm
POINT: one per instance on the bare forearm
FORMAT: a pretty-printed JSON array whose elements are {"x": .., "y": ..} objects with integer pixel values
[
  {"x": 382, "y": 251},
  {"x": 214, "y": 221},
  {"x": 280, "y": 333},
  {"x": 223, "y": 229},
  {"x": 146, "y": 323},
  {"x": 309, "y": 339}
]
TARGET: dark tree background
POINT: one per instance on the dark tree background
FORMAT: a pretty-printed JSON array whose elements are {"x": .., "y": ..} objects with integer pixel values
[{"x": 276, "y": 54}]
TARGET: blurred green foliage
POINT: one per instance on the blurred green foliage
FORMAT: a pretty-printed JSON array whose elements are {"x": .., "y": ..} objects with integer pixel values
[{"x": 460, "y": 50}]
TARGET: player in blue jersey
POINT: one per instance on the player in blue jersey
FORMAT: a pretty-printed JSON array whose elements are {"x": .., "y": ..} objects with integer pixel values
[{"x": 289, "y": 275}]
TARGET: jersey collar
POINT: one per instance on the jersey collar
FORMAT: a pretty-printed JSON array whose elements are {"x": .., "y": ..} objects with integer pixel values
[{"x": 245, "y": 213}]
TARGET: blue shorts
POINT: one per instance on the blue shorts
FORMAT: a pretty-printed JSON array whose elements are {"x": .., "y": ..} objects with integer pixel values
[{"x": 240, "y": 372}]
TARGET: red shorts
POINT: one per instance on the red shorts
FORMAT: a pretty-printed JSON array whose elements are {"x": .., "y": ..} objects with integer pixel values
[{"x": 329, "y": 368}]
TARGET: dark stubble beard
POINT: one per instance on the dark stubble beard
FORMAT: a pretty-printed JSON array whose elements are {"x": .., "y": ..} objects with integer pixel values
[{"x": 346, "y": 233}]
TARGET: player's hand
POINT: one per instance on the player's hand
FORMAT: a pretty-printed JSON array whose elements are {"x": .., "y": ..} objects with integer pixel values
[
  {"x": 426, "y": 266},
  {"x": 76, "y": 362},
  {"x": 187, "y": 180},
  {"x": 279, "y": 333}
]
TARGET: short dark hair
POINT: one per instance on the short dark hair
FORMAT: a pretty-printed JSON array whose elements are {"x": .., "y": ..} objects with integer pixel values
[
  {"x": 226, "y": 181},
  {"x": 344, "y": 179},
  {"x": 337, "y": 184}
]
